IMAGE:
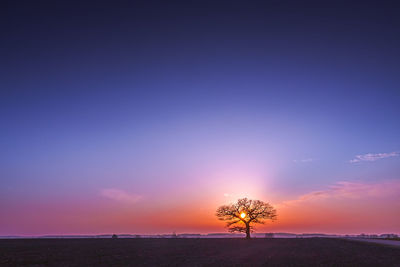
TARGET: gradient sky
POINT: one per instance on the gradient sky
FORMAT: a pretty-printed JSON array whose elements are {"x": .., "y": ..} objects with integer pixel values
[{"x": 144, "y": 117}]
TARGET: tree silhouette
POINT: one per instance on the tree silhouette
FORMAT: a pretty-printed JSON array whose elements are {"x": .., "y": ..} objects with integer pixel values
[{"x": 240, "y": 216}]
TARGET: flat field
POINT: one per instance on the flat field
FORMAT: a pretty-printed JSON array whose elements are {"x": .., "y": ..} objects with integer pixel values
[{"x": 195, "y": 252}]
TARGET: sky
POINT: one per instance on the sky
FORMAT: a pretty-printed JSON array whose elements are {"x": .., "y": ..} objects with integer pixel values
[{"x": 143, "y": 117}]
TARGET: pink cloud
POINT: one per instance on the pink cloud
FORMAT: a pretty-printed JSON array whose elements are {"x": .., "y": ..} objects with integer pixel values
[
  {"x": 120, "y": 195},
  {"x": 344, "y": 207},
  {"x": 352, "y": 190}
]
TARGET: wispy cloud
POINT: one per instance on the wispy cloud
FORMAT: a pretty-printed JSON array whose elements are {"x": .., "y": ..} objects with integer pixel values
[
  {"x": 351, "y": 190},
  {"x": 373, "y": 157},
  {"x": 120, "y": 195},
  {"x": 345, "y": 207},
  {"x": 303, "y": 160}
]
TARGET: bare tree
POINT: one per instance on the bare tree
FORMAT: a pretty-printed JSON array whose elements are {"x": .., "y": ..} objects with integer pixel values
[{"x": 241, "y": 216}]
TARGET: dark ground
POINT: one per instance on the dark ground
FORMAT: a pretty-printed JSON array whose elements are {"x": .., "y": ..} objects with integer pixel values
[{"x": 195, "y": 252}]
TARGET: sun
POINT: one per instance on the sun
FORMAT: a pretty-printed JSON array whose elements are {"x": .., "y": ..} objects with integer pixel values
[{"x": 243, "y": 215}]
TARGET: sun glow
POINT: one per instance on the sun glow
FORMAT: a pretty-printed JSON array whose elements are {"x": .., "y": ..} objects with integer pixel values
[{"x": 243, "y": 215}]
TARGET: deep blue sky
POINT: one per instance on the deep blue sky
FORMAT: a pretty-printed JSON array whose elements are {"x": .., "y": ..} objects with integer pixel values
[{"x": 146, "y": 96}]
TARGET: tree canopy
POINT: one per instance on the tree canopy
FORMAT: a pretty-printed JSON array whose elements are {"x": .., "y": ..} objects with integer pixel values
[{"x": 241, "y": 216}]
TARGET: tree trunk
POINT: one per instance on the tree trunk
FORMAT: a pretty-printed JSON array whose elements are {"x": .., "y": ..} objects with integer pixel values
[{"x": 248, "y": 231}]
